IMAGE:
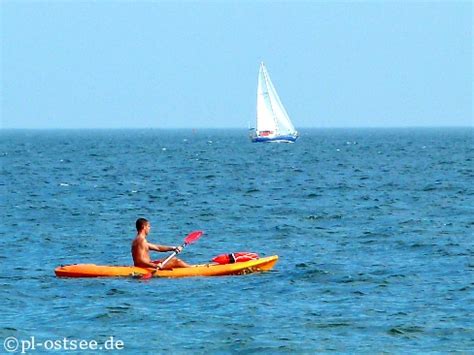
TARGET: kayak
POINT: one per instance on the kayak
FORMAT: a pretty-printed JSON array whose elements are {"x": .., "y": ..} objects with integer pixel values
[{"x": 240, "y": 268}]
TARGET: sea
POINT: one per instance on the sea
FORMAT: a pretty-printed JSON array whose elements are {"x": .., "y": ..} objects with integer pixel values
[{"x": 373, "y": 229}]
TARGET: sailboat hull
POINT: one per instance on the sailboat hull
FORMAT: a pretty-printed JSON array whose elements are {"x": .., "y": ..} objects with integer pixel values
[{"x": 278, "y": 139}]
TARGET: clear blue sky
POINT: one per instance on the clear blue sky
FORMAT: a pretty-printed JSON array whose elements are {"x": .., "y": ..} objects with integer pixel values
[{"x": 160, "y": 64}]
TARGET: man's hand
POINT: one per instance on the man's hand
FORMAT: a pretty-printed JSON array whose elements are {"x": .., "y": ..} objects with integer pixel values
[{"x": 178, "y": 249}]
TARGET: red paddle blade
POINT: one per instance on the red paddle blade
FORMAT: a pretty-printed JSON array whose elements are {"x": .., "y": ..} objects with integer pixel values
[
  {"x": 146, "y": 276},
  {"x": 193, "y": 236}
]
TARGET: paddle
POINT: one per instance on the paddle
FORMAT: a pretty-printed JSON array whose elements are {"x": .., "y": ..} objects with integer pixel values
[{"x": 191, "y": 238}]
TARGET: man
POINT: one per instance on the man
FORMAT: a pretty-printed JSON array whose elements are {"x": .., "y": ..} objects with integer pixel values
[{"x": 141, "y": 249}]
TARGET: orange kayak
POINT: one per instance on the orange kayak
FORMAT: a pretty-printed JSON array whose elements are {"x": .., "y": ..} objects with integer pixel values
[{"x": 240, "y": 268}]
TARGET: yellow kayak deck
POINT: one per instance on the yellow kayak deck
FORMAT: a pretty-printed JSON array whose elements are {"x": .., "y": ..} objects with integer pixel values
[{"x": 241, "y": 268}]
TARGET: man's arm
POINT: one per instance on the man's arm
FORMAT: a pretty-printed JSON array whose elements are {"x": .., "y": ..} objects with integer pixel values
[{"x": 160, "y": 248}]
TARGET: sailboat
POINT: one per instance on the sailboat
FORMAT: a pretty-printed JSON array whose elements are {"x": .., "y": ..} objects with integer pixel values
[{"x": 273, "y": 123}]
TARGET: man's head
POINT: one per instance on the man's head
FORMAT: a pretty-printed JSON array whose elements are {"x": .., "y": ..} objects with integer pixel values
[{"x": 142, "y": 225}]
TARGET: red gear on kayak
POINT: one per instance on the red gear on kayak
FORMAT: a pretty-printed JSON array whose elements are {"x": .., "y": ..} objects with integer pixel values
[{"x": 235, "y": 257}]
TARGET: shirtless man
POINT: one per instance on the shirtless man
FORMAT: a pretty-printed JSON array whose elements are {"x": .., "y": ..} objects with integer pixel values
[{"x": 141, "y": 249}]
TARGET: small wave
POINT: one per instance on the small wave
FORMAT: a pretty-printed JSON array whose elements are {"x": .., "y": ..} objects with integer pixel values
[
  {"x": 332, "y": 325},
  {"x": 114, "y": 291},
  {"x": 406, "y": 331},
  {"x": 313, "y": 217},
  {"x": 102, "y": 316},
  {"x": 251, "y": 191},
  {"x": 118, "y": 309},
  {"x": 302, "y": 265},
  {"x": 420, "y": 245}
]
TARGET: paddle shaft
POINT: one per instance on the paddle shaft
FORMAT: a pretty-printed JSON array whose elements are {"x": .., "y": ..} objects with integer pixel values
[
  {"x": 161, "y": 264},
  {"x": 191, "y": 238},
  {"x": 171, "y": 256}
]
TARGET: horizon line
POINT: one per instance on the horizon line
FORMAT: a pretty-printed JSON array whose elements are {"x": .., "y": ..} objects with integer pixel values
[{"x": 230, "y": 128}]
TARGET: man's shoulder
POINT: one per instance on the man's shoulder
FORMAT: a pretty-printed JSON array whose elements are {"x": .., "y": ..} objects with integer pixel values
[{"x": 139, "y": 240}]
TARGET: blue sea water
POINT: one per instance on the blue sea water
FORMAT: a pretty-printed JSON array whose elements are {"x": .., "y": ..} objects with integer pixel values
[{"x": 374, "y": 229}]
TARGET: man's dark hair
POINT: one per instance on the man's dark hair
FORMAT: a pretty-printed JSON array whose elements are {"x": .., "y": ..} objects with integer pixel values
[{"x": 141, "y": 223}]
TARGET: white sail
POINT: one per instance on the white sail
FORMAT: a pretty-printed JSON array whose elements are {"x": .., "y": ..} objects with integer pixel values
[
  {"x": 265, "y": 117},
  {"x": 271, "y": 114}
]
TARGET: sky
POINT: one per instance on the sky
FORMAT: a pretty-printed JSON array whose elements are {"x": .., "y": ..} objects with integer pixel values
[{"x": 194, "y": 64}]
